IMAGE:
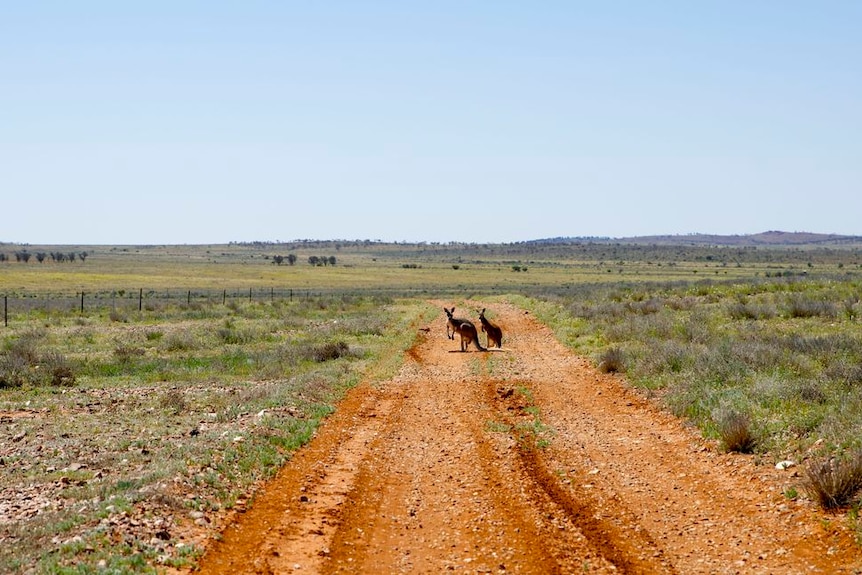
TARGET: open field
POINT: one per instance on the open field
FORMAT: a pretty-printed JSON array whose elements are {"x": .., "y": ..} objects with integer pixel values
[
  {"x": 433, "y": 268},
  {"x": 128, "y": 434}
]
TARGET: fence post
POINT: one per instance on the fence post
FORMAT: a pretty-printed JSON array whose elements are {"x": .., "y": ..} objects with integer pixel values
[
  {"x": 6, "y": 310},
  {"x": 82, "y": 301},
  {"x": 223, "y": 297},
  {"x": 189, "y": 298},
  {"x": 249, "y": 294},
  {"x": 141, "y": 299}
]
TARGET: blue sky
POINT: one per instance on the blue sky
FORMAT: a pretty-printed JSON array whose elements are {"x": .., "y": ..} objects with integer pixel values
[{"x": 485, "y": 121}]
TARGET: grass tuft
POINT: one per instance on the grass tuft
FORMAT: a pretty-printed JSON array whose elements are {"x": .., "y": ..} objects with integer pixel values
[
  {"x": 612, "y": 360},
  {"x": 735, "y": 431},
  {"x": 175, "y": 401},
  {"x": 329, "y": 351},
  {"x": 834, "y": 482}
]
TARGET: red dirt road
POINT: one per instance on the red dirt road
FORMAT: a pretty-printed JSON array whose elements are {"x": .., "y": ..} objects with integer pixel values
[{"x": 438, "y": 470}]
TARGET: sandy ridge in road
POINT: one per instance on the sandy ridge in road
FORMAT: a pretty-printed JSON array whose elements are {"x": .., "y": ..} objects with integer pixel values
[{"x": 425, "y": 473}]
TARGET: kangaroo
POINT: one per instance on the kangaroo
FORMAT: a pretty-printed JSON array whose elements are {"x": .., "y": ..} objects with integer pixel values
[
  {"x": 495, "y": 334},
  {"x": 464, "y": 328},
  {"x": 453, "y": 323}
]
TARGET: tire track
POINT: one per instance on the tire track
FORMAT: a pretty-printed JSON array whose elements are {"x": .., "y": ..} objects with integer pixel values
[{"x": 628, "y": 550}]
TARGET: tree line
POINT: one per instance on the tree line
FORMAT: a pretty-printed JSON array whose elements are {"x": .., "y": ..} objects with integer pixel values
[
  {"x": 291, "y": 259},
  {"x": 24, "y": 256}
]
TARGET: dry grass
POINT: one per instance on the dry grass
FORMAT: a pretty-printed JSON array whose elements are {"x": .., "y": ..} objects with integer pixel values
[
  {"x": 612, "y": 360},
  {"x": 735, "y": 431},
  {"x": 834, "y": 482}
]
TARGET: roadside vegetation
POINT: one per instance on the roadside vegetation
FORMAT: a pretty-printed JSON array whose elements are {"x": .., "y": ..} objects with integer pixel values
[
  {"x": 771, "y": 366},
  {"x": 116, "y": 434}
]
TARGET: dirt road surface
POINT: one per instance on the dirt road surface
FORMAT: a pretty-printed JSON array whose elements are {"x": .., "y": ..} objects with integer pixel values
[{"x": 522, "y": 460}]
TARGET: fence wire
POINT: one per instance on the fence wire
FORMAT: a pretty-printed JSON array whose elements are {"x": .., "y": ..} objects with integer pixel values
[{"x": 22, "y": 305}]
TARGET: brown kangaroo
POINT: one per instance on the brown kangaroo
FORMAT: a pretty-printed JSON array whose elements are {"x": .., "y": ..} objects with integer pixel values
[
  {"x": 464, "y": 328},
  {"x": 495, "y": 334}
]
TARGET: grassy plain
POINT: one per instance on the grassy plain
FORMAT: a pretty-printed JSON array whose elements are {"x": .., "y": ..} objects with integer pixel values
[
  {"x": 119, "y": 425},
  {"x": 435, "y": 268}
]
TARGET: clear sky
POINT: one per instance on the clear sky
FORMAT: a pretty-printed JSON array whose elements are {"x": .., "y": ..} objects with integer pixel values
[{"x": 166, "y": 122}]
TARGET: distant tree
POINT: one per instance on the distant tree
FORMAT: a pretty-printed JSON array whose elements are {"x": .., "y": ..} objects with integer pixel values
[
  {"x": 3, "y": 257},
  {"x": 72, "y": 256},
  {"x": 314, "y": 260},
  {"x": 83, "y": 256},
  {"x": 278, "y": 260},
  {"x": 40, "y": 256},
  {"x": 332, "y": 260},
  {"x": 291, "y": 259},
  {"x": 23, "y": 256}
]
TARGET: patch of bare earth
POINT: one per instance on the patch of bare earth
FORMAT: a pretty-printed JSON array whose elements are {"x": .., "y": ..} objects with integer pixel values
[{"x": 436, "y": 470}]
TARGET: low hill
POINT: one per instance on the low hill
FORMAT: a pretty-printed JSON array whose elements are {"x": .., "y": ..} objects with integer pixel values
[{"x": 767, "y": 239}]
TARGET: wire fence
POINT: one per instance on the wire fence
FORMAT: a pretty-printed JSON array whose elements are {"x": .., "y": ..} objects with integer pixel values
[{"x": 20, "y": 306}]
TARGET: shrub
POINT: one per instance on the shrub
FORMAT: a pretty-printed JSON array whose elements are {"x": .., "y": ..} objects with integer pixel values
[
  {"x": 174, "y": 401},
  {"x": 833, "y": 482},
  {"x": 24, "y": 348},
  {"x": 21, "y": 365},
  {"x": 126, "y": 353},
  {"x": 734, "y": 429},
  {"x": 328, "y": 351},
  {"x": 58, "y": 369},
  {"x": 13, "y": 370},
  {"x": 812, "y": 392},
  {"x": 612, "y": 360},
  {"x": 848, "y": 373},
  {"x": 801, "y": 307},
  {"x": 650, "y": 306},
  {"x": 180, "y": 341},
  {"x": 233, "y": 336},
  {"x": 118, "y": 316},
  {"x": 740, "y": 310}
]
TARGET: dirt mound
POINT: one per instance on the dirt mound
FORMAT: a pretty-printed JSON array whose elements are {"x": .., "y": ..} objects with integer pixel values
[{"x": 523, "y": 460}]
